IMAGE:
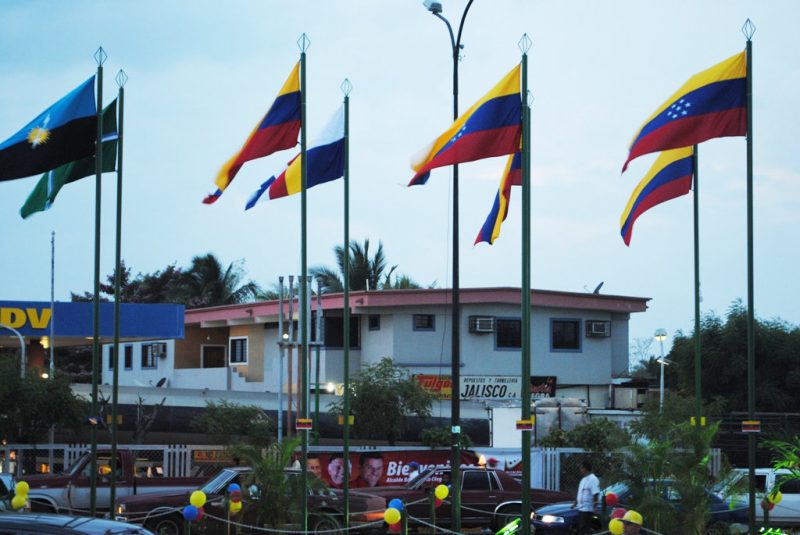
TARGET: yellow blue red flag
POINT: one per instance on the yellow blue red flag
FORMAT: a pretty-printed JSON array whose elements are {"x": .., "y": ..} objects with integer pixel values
[
  {"x": 711, "y": 104},
  {"x": 512, "y": 176},
  {"x": 669, "y": 177},
  {"x": 491, "y": 127}
]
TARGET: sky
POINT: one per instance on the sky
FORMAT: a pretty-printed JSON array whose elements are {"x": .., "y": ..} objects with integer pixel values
[{"x": 203, "y": 73}]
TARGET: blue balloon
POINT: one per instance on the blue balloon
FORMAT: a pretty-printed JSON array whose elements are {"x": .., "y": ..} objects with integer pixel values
[
  {"x": 190, "y": 513},
  {"x": 233, "y": 486},
  {"x": 397, "y": 503}
]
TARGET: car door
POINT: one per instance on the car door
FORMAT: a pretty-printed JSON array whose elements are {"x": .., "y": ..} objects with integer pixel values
[
  {"x": 788, "y": 510},
  {"x": 478, "y": 497}
]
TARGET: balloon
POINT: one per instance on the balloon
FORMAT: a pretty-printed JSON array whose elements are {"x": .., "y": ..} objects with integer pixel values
[
  {"x": 198, "y": 498},
  {"x": 438, "y": 502},
  {"x": 233, "y": 486},
  {"x": 396, "y": 503},
  {"x": 616, "y": 526},
  {"x": 235, "y": 507},
  {"x": 774, "y": 497},
  {"x": 190, "y": 512},
  {"x": 22, "y": 489},
  {"x": 441, "y": 491},
  {"x": 200, "y": 514},
  {"x": 395, "y": 528},
  {"x": 619, "y": 512},
  {"x": 391, "y": 516},
  {"x": 611, "y": 499},
  {"x": 236, "y": 496},
  {"x": 18, "y": 502}
]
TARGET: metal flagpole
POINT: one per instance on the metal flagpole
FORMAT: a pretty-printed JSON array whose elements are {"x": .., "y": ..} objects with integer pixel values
[
  {"x": 121, "y": 78},
  {"x": 698, "y": 398},
  {"x": 100, "y": 56},
  {"x": 346, "y": 88},
  {"x": 318, "y": 327},
  {"x": 525, "y": 387},
  {"x": 304, "y": 42},
  {"x": 51, "y": 432},
  {"x": 748, "y": 30}
]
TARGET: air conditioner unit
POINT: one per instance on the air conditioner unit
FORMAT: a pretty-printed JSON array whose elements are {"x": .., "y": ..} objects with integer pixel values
[
  {"x": 598, "y": 329},
  {"x": 481, "y": 324}
]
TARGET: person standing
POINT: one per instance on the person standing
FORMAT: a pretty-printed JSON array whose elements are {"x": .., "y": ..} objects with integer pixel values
[{"x": 587, "y": 498}]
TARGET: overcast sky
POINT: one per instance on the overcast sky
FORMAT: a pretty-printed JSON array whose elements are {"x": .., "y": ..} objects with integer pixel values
[{"x": 202, "y": 74}]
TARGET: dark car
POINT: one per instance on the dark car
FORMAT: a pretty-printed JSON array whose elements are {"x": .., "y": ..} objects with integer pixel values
[
  {"x": 562, "y": 518},
  {"x": 162, "y": 512},
  {"x": 34, "y": 523},
  {"x": 488, "y": 497}
]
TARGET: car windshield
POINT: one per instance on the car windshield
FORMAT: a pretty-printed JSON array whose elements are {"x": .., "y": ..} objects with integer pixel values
[
  {"x": 214, "y": 485},
  {"x": 728, "y": 484},
  {"x": 617, "y": 488}
]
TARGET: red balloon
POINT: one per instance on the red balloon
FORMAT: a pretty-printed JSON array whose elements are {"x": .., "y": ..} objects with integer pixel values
[
  {"x": 768, "y": 505},
  {"x": 200, "y": 514},
  {"x": 611, "y": 499},
  {"x": 438, "y": 502},
  {"x": 236, "y": 496},
  {"x": 619, "y": 512},
  {"x": 395, "y": 528}
]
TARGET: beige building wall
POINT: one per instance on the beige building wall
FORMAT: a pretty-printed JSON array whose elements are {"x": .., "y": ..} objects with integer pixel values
[
  {"x": 187, "y": 351},
  {"x": 254, "y": 370}
]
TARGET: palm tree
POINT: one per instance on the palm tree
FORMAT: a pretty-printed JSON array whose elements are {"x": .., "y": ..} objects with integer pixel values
[
  {"x": 365, "y": 273},
  {"x": 207, "y": 284}
]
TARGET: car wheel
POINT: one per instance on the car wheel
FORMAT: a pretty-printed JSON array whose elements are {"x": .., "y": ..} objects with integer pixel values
[
  {"x": 504, "y": 515},
  {"x": 167, "y": 525},
  {"x": 324, "y": 523}
]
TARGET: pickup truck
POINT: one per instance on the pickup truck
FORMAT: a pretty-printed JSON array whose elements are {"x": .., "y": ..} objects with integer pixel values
[
  {"x": 70, "y": 491},
  {"x": 786, "y": 513}
]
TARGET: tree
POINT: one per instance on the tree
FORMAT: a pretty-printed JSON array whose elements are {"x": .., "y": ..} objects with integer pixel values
[
  {"x": 382, "y": 396},
  {"x": 206, "y": 283},
  {"x": 231, "y": 423}
]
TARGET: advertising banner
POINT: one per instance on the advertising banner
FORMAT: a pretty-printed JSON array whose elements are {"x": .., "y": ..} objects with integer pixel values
[{"x": 488, "y": 387}]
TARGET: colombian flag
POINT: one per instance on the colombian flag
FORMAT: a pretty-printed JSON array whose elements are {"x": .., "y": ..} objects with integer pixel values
[
  {"x": 325, "y": 160},
  {"x": 491, "y": 127},
  {"x": 512, "y": 176},
  {"x": 668, "y": 178},
  {"x": 713, "y": 103},
  {"x": 276, "y": 131}
]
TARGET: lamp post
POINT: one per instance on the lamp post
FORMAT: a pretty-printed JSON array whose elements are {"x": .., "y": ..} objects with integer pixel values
[
  {"x": 455, "y": 428},
  {"x": 660, "y": 335},
  {"x": 23, "y": 361}
]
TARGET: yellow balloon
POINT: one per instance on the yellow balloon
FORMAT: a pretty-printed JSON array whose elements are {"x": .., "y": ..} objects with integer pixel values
[
  {"x": 776, "y": 497},
  {"x": 198, "y": 498},
  {"x": 441, "y": 491},
  {"x": 616, "y": 527},
  {"x": 21, "y": 489},
  {"x": 391, "y": 516},
  {"x": 18, "y": 502},
  {"x": 235, "y": 507}
]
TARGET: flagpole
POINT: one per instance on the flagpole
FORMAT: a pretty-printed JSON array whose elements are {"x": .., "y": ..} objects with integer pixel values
[
  {"x": 749, "y": 29},
  {"x": 121, "y": 79},
  {"x": 51, "y": 431},
  {"x": 525, "y": 387},
  {"x": 304, "y": 42},
  {"x": 99, "y": 56},
  {"x": 698, "y": 398},
  {"x": 346, "y": 87}
]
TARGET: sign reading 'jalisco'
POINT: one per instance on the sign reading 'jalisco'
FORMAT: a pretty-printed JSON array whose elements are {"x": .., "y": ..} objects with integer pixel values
[{"x": 487, "y": 387}]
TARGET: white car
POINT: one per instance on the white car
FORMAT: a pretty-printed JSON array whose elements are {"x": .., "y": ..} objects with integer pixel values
[{"x": 785, "y": 513}]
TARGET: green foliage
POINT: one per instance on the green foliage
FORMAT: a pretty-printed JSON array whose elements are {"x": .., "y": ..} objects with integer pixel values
[
  {"x": 786, "y": 455},
  {"x": 231, "y": 423},
  {"x": 382, "y": 396},
  {"x": 599, "y": 436},
  {"x": 439, "y": 437},
  {"x": 31, "y": 405}
]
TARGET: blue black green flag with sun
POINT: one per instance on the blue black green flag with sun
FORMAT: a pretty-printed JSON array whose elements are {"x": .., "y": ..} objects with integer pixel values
[{"x": 64, "y": 132}]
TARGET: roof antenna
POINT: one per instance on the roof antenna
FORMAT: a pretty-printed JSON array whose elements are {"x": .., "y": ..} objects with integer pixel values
[{"x": 597, "y": 290}]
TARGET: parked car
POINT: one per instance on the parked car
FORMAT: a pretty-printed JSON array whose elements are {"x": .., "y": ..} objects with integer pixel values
[
  {"x": 70, "y": 490},
  {"x": 7, "y": 484},
  {"x": 562, "y": 518},
  {"x": 488, "y": 497},
  {"x": 52, "y": 524},
  {"x": 785, "y": 513},
  {"x": 162, "y": 512}
]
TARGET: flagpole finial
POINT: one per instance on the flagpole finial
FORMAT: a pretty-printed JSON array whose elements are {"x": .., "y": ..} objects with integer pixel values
[
  {"x": 748, "y": 29},
  {"x": 525, "y": 43},
  {"x": 121, "y": 78},
  {"x": 530, "y": 98},
  {"x": 346, "y": 87},
  {"x": 100, "y": 56},
  {"x": 303, "y": 42}
]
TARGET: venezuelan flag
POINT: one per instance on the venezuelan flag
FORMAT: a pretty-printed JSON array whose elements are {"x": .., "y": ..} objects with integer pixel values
[
  {"x": 491, "y": 127},
  {"x": 325, "y": 160},
  {"x": 512, "y": 176},
  {"x": 711, "y": 104},
  {"x": 668, "y": 178},
  {"x": 276, "y": 131}
]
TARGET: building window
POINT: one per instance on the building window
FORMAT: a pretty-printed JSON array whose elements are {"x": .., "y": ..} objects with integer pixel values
[
  {"x": 424, "y": 322},
  {"x": 213, "y": 356},
  {"x": 334, "y": 332},
  {"x": 111, "y": 358},
  {"x": 238, "y": 351},
  {"x": 565, "y": 335},
  {"x": 374, "y": 322},
  {"x": 128, "y": 357},
  {"x": 151, "y": 354},
  {"x": 508, "y": 333}
]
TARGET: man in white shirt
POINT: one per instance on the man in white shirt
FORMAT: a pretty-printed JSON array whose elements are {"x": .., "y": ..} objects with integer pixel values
[{"x": 587, "y": 498}]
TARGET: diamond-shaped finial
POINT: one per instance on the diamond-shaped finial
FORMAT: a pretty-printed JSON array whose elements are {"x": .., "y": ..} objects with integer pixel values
[
  {"x": 525, "y": 43},
  {"x": 346, "y": 87},
  {"x": 100, "y": 56},
  {"x": 748, "y": 29},
  {"x": 304, "y": 42},
  {"x": 121, "y": 78},
  {"x": 530, "y": 98}
]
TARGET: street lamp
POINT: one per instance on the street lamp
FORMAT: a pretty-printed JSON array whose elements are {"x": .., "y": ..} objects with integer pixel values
[
  {"x": 455, "y": 358},
  {"x": 661, "y": 335},
  {"x": 23, "y": 361}
]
